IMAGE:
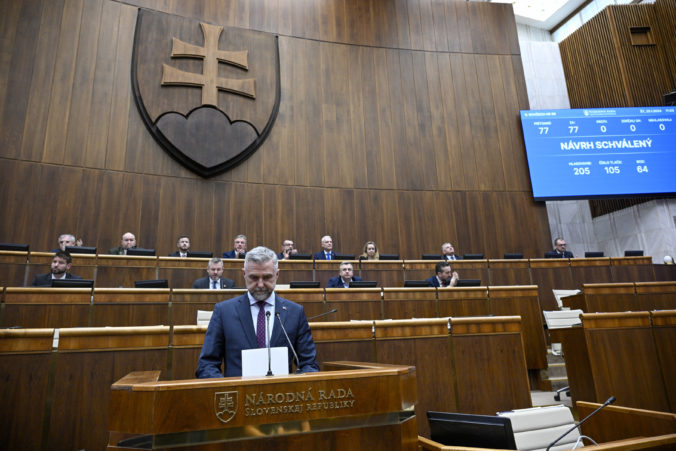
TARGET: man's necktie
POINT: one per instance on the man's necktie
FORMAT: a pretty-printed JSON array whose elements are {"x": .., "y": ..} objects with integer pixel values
[
  {"x": 213, "y": 285},
  {"x": 328, "y": 256},
  {"x": 260, "y": 324}
]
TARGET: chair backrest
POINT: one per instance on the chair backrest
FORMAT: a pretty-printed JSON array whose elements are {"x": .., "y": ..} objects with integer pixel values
[
  {"x": 537, "y": 427},
  {"x": 203, "y": 317},
  {"x": 558, "y": 294},
  {"x": 559, "y": 319}
]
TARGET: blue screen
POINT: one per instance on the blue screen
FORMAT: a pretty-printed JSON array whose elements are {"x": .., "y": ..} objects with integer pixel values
[{"x": 601, "y": 152}]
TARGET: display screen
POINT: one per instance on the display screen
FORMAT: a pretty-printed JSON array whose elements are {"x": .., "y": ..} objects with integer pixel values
[{"x": 601, "y": 152}]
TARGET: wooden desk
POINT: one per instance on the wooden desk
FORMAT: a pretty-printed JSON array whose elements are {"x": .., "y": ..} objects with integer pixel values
[
  {"x": 408, "y": 342},
  {"x": 355, "y": 303},
  {"x": 604, "y": 297},
  {"x": 361, "y": 407},
  {"x": 296, "y": 270},
  {"x": 614, "y": 354},
  {"x": 407, "y": 303},
  {"x": 549, "y": 274},
  {"x": 25, "y": 370},
  {"x": 312, "y": 300},
  {"x": 186, "y": 303},
  {"x": 465, "y": 301},
  {"x": 13, "y": 268},
  {"x": 123, "y": 270},
  {"x": 485, "y": 350},
  {"x": 130, "y": 306},
  {"x": 523, "y": 301},
  {"x": 591, "y": 270},
  {"x": 656, "y": 295},
  {"x": 664, "y": 333},
  {"x": 387, "y": 273},
  {"x": 46, "y": 307},
  {"x": 509, "y": 272}
]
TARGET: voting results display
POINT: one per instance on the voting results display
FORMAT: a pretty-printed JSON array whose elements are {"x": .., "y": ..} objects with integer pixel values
[{"x": 601, "y": 152}]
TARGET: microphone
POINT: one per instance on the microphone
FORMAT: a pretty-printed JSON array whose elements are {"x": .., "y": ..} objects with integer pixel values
[
  {"x": 609, "y": 401},
  {"x": 289, "y": 341},
  {"x": 267, "y": 332},
  {"x": 323, "y": 314}
]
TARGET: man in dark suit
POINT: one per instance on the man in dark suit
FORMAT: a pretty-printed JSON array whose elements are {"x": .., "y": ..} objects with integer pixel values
[
  {"x": 183, "y": 245},
  {"x": 346, "y": 276},
  {"x": 61, "y": 264},
  {"x": 445, "y": 276},
  {"x": 559, "y": 250},
  {"x": 240, "y": 248},
  {"x": 214, "y": 280},
  {"x": 288, "y": 248},
  {"x": 327, "y": 250},
  {"x": 240, "y": 323},
  {"x": 448, "y": 252},
  {"x": 128, "y": 242}
]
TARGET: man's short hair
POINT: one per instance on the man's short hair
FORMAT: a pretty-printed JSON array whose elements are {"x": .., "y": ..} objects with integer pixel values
[
  {"x": 182, "y": 236},
  {"x": 261, "y": 254},
  {"x": 444, "y": 244},
  {"x": 72, "y": 237},
  {"x": 557, "y": 239},
  {"x": 214, "y": 261},
  {"x": 326, "y": 236},
  {"x": 240, "y": 236},
  {"x": 440, "y": 266},
  {"x": 64, "y": 255}
]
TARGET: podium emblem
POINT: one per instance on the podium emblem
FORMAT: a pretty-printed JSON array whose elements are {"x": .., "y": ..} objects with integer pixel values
[
  {"x": 225, "y": 405},
  {"x": 208, "y": 94}
]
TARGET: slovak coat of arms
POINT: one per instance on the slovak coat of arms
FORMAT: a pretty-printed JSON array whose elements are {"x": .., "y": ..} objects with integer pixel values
[
  {"x": 225, "y": 405},
  {"x": 208, "y": 94}
]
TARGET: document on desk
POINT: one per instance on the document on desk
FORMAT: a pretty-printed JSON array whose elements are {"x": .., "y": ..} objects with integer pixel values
[{"x": 255, "y": 361}]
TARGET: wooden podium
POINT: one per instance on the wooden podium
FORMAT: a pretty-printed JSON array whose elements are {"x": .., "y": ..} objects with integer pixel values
[{"x": 349, "y": 405}]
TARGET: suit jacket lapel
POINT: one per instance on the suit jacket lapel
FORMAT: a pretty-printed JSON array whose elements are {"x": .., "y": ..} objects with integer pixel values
[{"x": 244, "y": 313}]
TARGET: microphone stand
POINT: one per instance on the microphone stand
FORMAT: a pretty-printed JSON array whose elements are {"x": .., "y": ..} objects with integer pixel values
[
  {"x": 609, "y": 401},
  {"x": 267, "y": 332},
  {"x": 289, "y": 341},
  {"x": 323, "y": 314}
]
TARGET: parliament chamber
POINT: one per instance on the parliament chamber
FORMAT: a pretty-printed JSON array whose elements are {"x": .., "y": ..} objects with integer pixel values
[{"x": 388, "y": 121}]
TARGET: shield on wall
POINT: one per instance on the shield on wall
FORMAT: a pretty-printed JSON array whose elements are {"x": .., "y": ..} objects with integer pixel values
[{"x": 208, "y": 94}]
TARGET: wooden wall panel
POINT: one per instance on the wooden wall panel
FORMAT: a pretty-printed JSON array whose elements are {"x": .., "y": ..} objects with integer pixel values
[
  {"x": 398, "y": 122},
  {"x": 604, "y": 69}
]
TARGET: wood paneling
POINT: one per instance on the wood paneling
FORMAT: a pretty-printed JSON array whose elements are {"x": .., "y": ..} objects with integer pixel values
[
  {"x": 395, "y": 117},
  {"x": 604, "y": 69}
]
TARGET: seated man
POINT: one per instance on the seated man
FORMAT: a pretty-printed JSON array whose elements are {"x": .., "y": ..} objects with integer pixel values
[
  {"x": 327, "y": 250},
  {"x": 66, "y": 239},
  {"x": 183, "y": 245},
  {"x": 346, "y": 276},
  {"x": 445, "y": 276},
  {"x": 128, "y": 241},
  {"x": 240, "y": 248},
  {"x": 288, "y": 248},
  {"x": 240, "y": 323},
  {"x": 448, "y": 252},
  {"x": 559, "y": 250},
  {"x": 61, "y": 264},
  {"x": 214, "y": 281}
]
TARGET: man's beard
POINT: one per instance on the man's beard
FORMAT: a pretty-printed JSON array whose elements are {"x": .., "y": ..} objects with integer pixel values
[
  {"x": 261, "y": 294},
  {"x": 56, "y": 272}
]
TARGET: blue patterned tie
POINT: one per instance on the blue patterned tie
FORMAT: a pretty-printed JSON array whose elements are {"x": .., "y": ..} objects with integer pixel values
[{"x": 260, "y": 324}]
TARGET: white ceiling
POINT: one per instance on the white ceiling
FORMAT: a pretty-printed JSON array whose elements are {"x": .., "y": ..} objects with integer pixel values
[{"x": 545, "y": 14}]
